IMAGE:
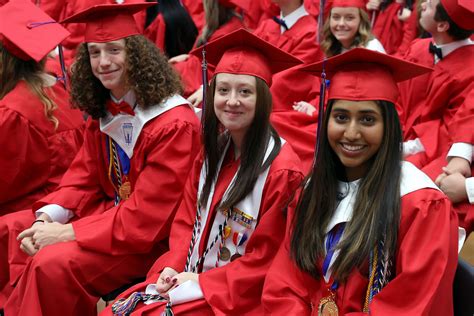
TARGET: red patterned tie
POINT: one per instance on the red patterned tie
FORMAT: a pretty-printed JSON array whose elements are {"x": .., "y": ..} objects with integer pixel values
[{"x": 115, "y": 108}]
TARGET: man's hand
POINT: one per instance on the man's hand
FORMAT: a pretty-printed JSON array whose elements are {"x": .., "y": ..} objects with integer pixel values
[
  {"x": 454, "y": 186},
  {"x": 43, "y": 234}
]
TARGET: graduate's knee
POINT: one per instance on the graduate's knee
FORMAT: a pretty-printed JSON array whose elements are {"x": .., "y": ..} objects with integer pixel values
[{"x": 53, "y": 260}]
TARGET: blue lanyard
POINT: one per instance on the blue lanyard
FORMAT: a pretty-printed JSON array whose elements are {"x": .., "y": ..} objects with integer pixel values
[{"x": 331, "y": 242}]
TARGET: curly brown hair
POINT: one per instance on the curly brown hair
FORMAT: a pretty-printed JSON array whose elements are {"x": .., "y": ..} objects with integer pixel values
[{"x": 149, "y": 76}]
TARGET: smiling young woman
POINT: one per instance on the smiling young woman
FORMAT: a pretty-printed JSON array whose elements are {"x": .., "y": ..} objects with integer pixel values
[
  {"x": 347, "y": 27},
  {"x": 233, "y": 208},
  {"x": 354, "y": 244}
]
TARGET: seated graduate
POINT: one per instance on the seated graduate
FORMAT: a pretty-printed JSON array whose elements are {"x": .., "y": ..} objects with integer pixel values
[
  {"x": 39, "y": 132},
  {"x": 371, "y": 234},
  {"x": 110, "y": 217},
  {"x": 232, "y": 217}
]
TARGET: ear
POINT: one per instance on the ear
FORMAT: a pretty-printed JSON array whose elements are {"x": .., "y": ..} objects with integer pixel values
[{"x": 442, "y": 27}]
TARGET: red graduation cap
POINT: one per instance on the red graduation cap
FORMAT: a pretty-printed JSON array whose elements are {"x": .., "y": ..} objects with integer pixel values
[
  {"x": 27, "y": 32},
  {"x": 241, "y": 52},
  {"x": 109, "y": 22},
  {"x": 348, "y": 3},
  {"x": 361, "y": 74},
  {"x": 461, "y": 12}
]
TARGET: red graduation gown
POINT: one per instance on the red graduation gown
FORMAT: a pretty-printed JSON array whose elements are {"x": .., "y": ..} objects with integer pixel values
[
  {"x": 114, "y": 244},
  {"x": 291, "y": 85},
  {"x": 34, "y": 154},
  {"x": 392, "y": 32},
  {"x": 234, "y": 289},
  {"x": 430, "y": 102},
  {"x": 425, "y": 268}
]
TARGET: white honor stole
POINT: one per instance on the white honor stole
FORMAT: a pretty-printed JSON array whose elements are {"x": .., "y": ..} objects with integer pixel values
[
  {"x": 124, "y": 129},
  {"x": 247, "y": 209}
]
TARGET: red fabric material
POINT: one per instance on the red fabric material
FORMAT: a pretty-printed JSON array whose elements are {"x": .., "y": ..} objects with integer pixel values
[
  {"x": 348, "y": 3},
  {"x": 410, "y": 32},
  {"x": 300, "y": 131},
  {"x": 242, "y": 52},
  {"x": 235, "y": 288},
  {"x": 190, "y": 69},
  {"x": 116, "y": 108},
  {"x": 430, "y": 102},
  {"x": 300, "y": 41},
  {"x": 34, "y": 155},
  {"x": 391, "y": 31},
  {"x": 425, "y": 268},
  {"x": 28, "y": 32},
  {"x": 108, "y": 22},
  {"x": 155, "y": 32},
  {"x": 461, "y": 12},
  {"x": 59, "y": 10},
  {"x": 114, "y": 244},
  {"x": 12, "y": 259},
  {"x": 196, "y": 11},
  {"x": 461, "y": 128}
]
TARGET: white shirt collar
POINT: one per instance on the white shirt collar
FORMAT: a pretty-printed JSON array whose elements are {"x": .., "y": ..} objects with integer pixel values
[
  {"x": 447, "y": 49},
  {"x": 345, "y": 208},
  {"x": 293, "y": 17}
]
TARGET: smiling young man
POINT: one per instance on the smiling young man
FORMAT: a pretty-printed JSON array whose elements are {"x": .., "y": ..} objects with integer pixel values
[{"x": 110, "y": 217}]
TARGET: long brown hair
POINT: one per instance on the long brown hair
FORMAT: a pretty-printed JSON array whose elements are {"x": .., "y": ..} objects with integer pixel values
[
  {"x": 254, "y": 146},
  {"x": 376, "y": 213},
  {"x": 331, "y": 46},
  {"x": 14, "y": 69},
  {"x": 216, "y": 15},
  {"x": 149, "y": 76}
]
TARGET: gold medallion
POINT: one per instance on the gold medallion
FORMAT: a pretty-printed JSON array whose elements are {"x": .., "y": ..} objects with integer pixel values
[
  {"x": 327, "y": 306},
  {"x": 125, "y": 190},
  {"x": 224, "y": 254}
]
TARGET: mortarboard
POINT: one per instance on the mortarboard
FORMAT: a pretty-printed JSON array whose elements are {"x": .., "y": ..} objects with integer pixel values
[
  {"x": 363, "y": 74},
  {"x": 27, "y": 32},
  {"x": 461, "y": 12},
  {"x": 348, "y": 3},
  {"x": 109, "y": 22},
  {"x": 242, "y": 52}
]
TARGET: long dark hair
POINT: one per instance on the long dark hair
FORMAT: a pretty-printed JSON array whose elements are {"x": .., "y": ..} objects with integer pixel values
[
  {"x": 376, "y": 213},
  {"x": 253, "y": 148},
  {"x": 180, "y": 31},
  {"x": 148, "y": 74}
]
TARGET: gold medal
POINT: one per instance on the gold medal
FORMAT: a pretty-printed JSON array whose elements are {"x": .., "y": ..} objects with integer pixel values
[
  {"x": 125, "y": 190},
  {"x": 327, "y": 306},
  {"x": 224, "y": 254}
]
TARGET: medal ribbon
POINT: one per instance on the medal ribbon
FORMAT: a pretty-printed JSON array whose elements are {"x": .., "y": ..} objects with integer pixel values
[
  {"x": 331, "y": 242},
  {"x": 119, "y": 165},
  {"x": 238, "y": 239}
]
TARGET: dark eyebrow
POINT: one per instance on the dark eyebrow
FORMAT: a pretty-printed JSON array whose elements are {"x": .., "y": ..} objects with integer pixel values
[
  {"x": 336, "y": 109},
  {"x": 368, "y": 112},
  {"x": 339, "y": 109}
]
